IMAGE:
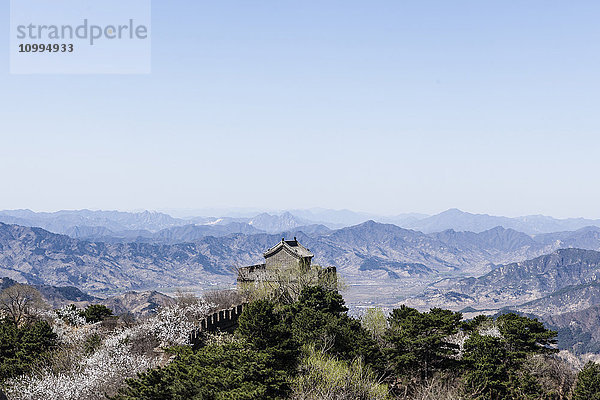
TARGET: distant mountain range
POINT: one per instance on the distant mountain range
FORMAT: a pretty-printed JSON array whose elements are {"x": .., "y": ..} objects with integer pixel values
[
  {"x": 55, "y": 296},
  {"x": 184, "y": 256},
  {"x": 115, "y": 221},
  {"x": 536, "y": 265},
  {"x": 126, "y": 226},
  {"x": 36, "y": 256},
  {"x": 462, "y": 221},
  {"x": 578, "y": 331},
  {"x": 569, "y": 298},
  {"x": 137, "y": 303},
  {"x": 562, "y": 288},
  {"x": 104, "y": 251},
  {"x": 116, "y": 226}
]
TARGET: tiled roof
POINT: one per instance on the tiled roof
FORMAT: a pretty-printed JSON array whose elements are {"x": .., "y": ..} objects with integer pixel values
[{"x": 292, "y": 245}]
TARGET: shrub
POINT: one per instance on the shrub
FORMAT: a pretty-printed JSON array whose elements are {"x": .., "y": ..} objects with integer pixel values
[
  {"x": 324, "y": 377},
  {"x": 375, "y": 322}
]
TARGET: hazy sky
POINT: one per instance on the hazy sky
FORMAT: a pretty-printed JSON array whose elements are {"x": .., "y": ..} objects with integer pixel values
[{"x": 379, "y": 106}]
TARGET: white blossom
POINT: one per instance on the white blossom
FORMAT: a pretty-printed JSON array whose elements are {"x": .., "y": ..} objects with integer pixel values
[
  {"x": 106, "y": 368},
  {"x": 71, "y": 315}
]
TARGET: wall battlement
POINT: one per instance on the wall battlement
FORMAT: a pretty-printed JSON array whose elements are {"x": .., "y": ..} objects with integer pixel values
[{"x": 219, "y": 321}]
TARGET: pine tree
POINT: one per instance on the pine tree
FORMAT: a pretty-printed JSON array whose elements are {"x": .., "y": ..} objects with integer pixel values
[{"x": 588, "y": 383}]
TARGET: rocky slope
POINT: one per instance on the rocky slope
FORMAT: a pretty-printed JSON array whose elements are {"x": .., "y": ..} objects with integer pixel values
[
  {"x": 577, "y": 330},
  {"x": 521, "y": 282},
  {"x": 568, "y": 299},
  {"x": 36, "y": 256},
  {"x": 137, "y": 303},
  {"x": 56, "y": 296}
]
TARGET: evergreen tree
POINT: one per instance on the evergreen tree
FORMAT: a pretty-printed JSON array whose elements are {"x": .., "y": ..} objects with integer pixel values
[
  {"x": 418, "y": 344},
  {"x": 215, "y": 372},
  {"x": 263, "y": 327},
  {"x": 525, "y": 336},
  {"x": 493, "y": 365},
  {"x": 486, "y": 374},
  {"x": 21, "y": 348},
  {"x": 319, "y": 318},
  {"x": 96, "y": 313},
  {"x": 588, "y": 383}
]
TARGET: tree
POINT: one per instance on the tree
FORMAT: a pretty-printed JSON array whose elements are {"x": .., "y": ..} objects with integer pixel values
[
  {"x": 375, "y": 321},
  {"x": 494, "y": 365},
  {"x": 231, "y": 371},
  {"x": 486, "y": 375},
  {"x": 96, "y": 313},
  {"x": 418, "y": 344},
  {"x": 23, "y": 347},
  {"x": 262, "y": 327},
  {"x": 19, "y": 302},
  {"x": 319, "y": 318},
  {"x": 525, "y": 336},
  {"x": 588, "y": 383},
  {"x": 321, "y": 299}
]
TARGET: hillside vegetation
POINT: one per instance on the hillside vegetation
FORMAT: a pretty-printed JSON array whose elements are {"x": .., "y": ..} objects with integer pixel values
[{"x": 308, "y": 348}]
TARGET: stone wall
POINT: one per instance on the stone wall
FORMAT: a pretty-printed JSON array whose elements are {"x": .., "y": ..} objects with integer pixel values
[
  {"x": 253, "y": 273},
  {"x": 219, "y": 321},
  {"x": 282, "y": 259}
]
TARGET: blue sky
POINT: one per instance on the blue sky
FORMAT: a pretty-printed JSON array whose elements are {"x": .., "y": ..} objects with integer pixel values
[{"x": 379, "y": 106}]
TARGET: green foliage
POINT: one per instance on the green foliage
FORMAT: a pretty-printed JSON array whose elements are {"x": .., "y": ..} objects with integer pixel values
[
  {"x": 588, "y": 383},
  {"x": 325, "y": 377},
  {"x": 525, "y": 386},
  {"x": 486, "y": 374},
  {"x": 476, "y": 323},
  {"x": 21, "y": 348},
  {"x": 493, "y": 366},
  {"x": 418, "y": 342},
  {"x": 263, "y": 327},
  {"x": 319, "y": 318},
  {"x": 525, "y": 335},
  {"x": 96, "y": 313},
  {"x": 233, "y": 371},
  {"x": 375, "y": 321},
  {"x": 321, "y": 299},
  {"x": 343, "y": 358}
]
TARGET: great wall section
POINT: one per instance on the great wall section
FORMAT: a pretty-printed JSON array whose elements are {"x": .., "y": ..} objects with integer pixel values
[{"x": 219, "y": 321}]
